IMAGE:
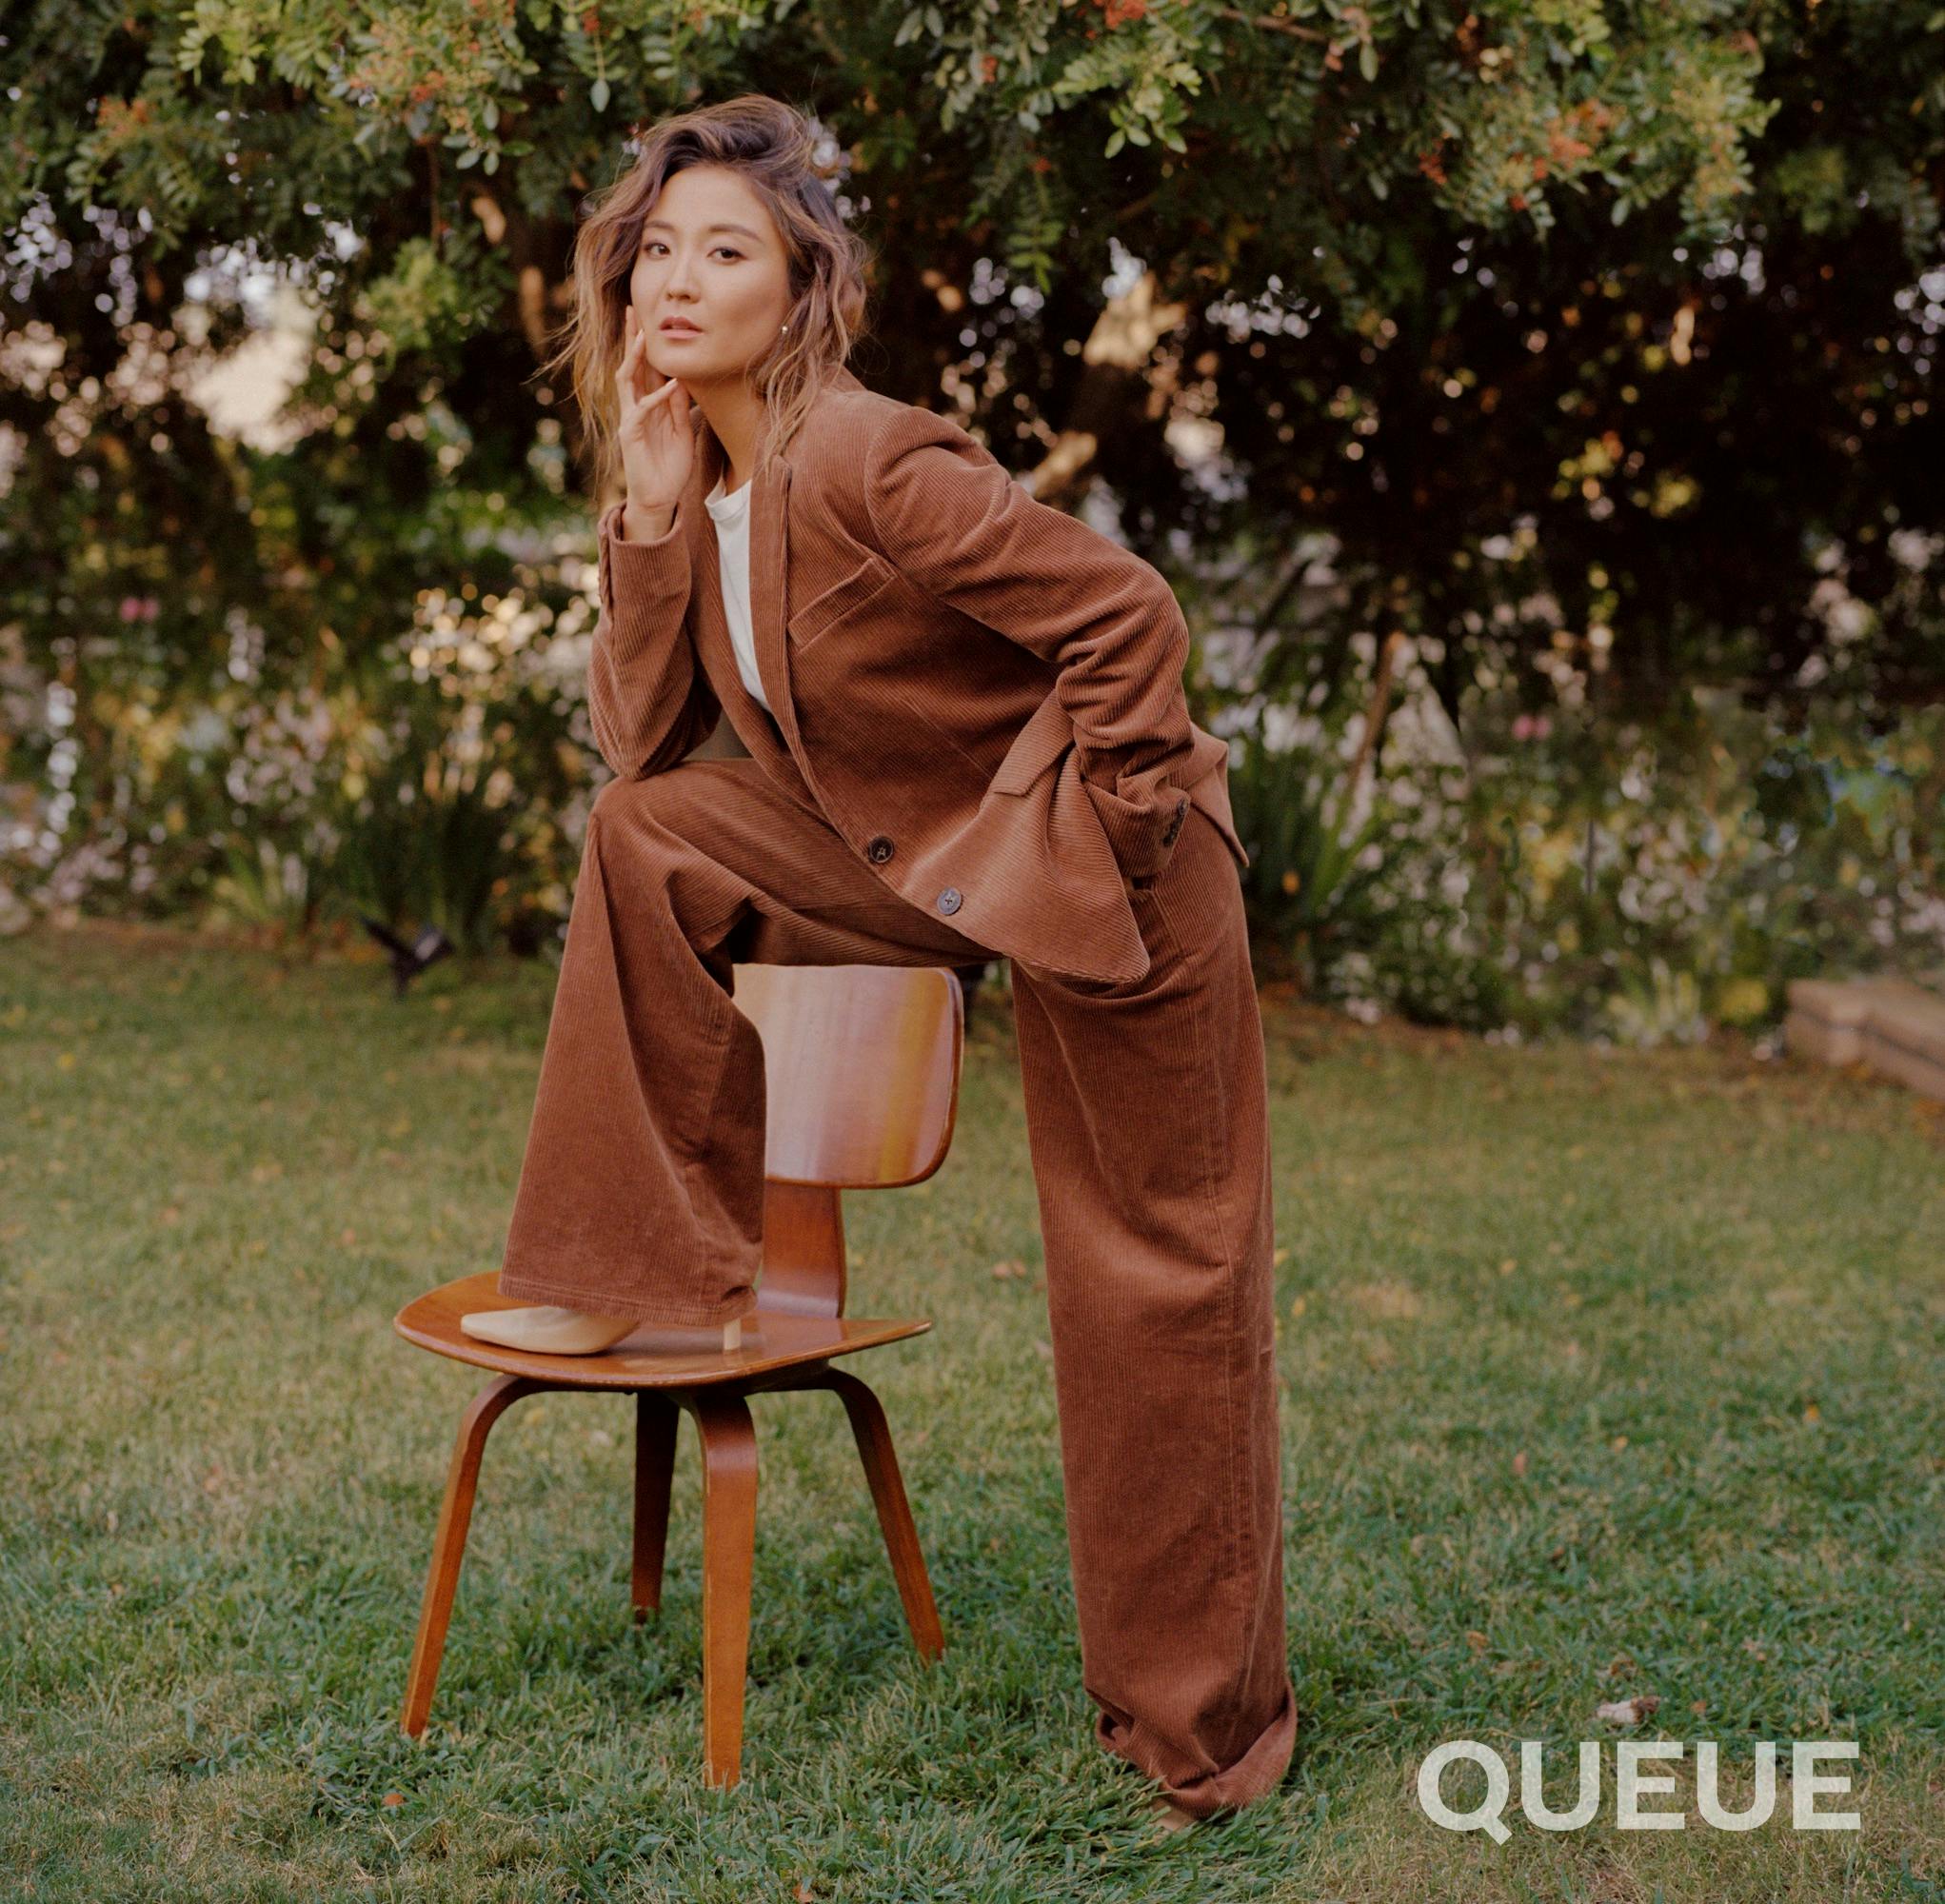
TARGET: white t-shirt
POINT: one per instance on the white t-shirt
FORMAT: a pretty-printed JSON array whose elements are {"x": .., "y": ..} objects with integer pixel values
[{"x": 731, "y": 516}]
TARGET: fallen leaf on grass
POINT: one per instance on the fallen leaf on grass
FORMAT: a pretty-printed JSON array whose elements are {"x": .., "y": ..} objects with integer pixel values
[
  {"x": 1012, "y": 1266},
  {"x": 1628, "y": 1711},
  {"x": 1520, "y": 1463},
  {"x": 1389, "y": 1302}
]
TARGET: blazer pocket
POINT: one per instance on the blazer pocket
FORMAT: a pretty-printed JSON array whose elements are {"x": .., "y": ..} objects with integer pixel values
[
  {"x": 844, "y": 597},
  {"x": 1047, "y": 735}
]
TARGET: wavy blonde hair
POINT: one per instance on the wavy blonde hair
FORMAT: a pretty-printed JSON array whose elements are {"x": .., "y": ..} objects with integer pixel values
[{"x": 772, "y": 145}]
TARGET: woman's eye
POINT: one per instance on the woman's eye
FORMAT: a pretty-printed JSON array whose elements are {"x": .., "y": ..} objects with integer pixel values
[{"x": 654, "y": 243}]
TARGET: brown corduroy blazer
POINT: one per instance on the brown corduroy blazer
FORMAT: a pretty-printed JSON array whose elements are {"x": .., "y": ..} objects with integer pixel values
[{"x": 984, "y": 695}]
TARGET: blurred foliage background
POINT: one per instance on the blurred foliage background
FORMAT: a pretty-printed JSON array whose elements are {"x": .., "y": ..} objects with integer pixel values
[{"x": 1533, "y": 404}]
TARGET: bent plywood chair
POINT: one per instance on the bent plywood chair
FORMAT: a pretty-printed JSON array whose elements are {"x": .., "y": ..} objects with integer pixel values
[{"x": 862, "y": 1068}]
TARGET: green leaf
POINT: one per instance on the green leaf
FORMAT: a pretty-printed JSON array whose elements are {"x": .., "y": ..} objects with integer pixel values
[
  {"x": 597, "y": 95},
  {"x": 1367, "y": 59}
]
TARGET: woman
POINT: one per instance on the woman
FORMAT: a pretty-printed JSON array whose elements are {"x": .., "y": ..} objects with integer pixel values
[{"x": 968, "y": 739}]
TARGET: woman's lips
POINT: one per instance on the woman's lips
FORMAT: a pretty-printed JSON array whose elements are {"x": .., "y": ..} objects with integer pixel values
[{"x": 680, "y": 330}]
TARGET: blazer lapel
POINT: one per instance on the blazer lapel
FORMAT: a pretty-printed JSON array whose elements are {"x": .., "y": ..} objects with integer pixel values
[
  {"x": 760, "y": 731},
  {"x": 763, "y": 734},
  {"x": 770, "y": 567}
]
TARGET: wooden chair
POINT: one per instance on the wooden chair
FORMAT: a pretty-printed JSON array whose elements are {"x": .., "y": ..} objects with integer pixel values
[{"x": 861, "y": 1069}]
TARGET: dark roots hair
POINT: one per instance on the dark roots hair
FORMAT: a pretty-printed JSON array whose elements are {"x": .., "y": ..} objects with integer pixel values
[{"x": 772, "y": 145}]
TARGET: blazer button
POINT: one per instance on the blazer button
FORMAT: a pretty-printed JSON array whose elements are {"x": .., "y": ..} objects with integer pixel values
[
  {"x": 881, "y": 849},
  {"x": 1175, "y": 825},
  {"x": 949, "y": 900}
]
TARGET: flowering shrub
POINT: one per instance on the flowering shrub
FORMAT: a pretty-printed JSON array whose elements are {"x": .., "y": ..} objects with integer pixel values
[
  {"x": 439, "y": 776},
  {"x": 1618, "y": 881},
  {"x": 1556, "y": 869}
]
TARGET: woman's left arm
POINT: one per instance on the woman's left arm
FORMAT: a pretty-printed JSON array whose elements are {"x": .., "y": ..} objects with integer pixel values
[{"x": 948, "y": 516}]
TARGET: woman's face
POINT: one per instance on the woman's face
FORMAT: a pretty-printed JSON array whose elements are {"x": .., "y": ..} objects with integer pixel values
[{"x": 712, "y": 259}]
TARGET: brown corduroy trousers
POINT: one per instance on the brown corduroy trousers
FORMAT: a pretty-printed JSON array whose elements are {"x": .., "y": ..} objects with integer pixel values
[{"x": 1146, "y": 1114}]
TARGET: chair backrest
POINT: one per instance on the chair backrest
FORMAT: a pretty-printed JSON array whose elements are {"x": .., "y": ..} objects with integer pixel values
[{"x": 861, "y": 1079}]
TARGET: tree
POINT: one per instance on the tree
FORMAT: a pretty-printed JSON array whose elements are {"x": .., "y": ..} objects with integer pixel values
[{"x": 1621, "y": 316}]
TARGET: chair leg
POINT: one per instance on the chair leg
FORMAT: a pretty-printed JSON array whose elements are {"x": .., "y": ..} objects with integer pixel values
[
  {"x": 656, "y": 1422},
  {"x": 729, "y": 1495},
  {"x": 894, "y": 1511},
  {"x": 449, "y": 1544}
]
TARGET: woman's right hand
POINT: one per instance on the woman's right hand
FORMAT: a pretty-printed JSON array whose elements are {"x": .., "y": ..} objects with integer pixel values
[{"x": 658, "y": 446}]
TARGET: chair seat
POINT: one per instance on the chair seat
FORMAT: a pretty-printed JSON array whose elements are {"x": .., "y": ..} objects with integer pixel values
[{"x": 653, "y": 1356}]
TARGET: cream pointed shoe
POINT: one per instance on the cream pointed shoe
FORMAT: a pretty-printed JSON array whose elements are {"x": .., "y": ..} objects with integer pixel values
[
  {"x": 1169, "y": 1816},
  {"x": 549, "y": 1330},
  {"x": 546, "y": 1330}
]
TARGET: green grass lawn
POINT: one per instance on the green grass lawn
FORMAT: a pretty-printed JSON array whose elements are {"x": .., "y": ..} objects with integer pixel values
[{"x": 1605, "y": 1376}]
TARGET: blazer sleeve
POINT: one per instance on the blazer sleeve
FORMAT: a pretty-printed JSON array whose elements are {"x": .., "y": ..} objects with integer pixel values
[
  {"x": 648, "y": 700},
  {"x": 955, "y": 523}
]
